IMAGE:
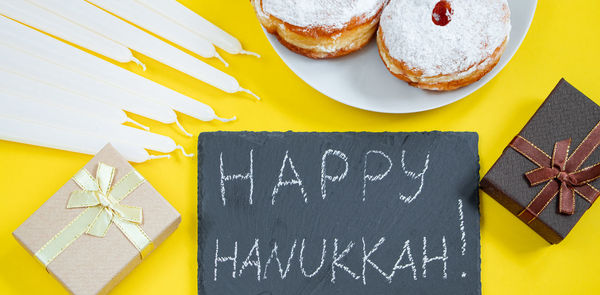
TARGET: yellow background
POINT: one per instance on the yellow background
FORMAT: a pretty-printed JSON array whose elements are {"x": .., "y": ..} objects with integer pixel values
[{"x": 564, "y": 41}]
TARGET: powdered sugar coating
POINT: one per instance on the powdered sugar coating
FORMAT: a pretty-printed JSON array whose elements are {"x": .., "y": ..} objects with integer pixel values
[
  {"x": 476, "y": 29},
  {"x": 331, "y": 14}
]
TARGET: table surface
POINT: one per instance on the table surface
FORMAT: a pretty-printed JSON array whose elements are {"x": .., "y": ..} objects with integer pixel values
[{"x": 564, "y": 41}]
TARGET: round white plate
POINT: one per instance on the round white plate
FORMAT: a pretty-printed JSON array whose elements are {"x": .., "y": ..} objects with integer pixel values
[{"x": 361, "y": 79}]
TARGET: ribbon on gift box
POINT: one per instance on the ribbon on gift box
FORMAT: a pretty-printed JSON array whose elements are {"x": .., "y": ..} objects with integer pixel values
[
  {"x": 561, "y": 174},
  {"x": 102, "y": 208}
]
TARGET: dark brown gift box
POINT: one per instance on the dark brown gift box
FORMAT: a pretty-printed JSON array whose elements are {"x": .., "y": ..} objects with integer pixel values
[{"x": 566, "y": 113}]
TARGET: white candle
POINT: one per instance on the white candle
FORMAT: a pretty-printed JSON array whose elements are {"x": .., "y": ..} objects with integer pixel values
[
  {"x": 50, "y": 23},
  {"x": 148, "y": 19},
  {"x": 197, "y": 24},
  {"x": 60, "y": 97},
  {"x": 27, "y": 132},
  {"x": 37, "y": 68},
  {"x": 26, "y": 108},
  {"x": 102, "y": 22},
  {"x": 36, "y": 43}
]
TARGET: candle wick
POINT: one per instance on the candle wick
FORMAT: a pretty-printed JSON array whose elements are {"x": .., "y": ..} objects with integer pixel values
[
  {"x": 137, "y": 124},
  {"x": 221, "y": 59},
  {"x": 151, "y": 157},
  {"x": 182, "y": 129},
  {"x": 226, "y": 120},
  {"x": 249, "y": 92},
  {"x": 139, "y": 63},
  {"x": 250, "y": 53},
  {"x": 184, "y": 152}
]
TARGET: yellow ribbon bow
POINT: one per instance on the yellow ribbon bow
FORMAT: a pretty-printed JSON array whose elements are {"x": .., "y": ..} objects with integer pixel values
[{"x": 103, "y": 207}]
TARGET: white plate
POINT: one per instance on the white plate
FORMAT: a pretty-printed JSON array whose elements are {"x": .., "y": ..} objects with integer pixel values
[{"x": 361, "y": 79}]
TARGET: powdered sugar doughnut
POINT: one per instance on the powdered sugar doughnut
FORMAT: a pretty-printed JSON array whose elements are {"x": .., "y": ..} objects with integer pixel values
[
  {"x": 443, "y": 45},
  {"x": 320, "y": 28}
]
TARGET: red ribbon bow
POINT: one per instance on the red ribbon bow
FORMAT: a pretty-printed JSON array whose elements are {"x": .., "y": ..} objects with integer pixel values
[{"x": 561, "y": 174}]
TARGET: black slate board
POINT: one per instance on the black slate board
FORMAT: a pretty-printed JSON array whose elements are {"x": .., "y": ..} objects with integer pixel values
[{"x": 424, "y": 213}]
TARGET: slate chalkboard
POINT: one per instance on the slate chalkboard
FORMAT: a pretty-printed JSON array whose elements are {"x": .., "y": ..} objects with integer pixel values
[{"x": 338, "y": 213}]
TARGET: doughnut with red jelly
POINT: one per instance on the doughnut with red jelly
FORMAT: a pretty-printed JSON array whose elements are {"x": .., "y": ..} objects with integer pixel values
[{"x": 443, "y": 45}]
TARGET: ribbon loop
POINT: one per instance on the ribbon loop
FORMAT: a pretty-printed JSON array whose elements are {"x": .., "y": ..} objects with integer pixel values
[
  {"x": 560, "y": 153},
  {"x": 80, "y": 199},
  {"x": 86, "y": 181},
  {"x": 586, "y": 175},
  {"x": 530, "y": 151},
  {"x": 104, "y": 176},
  {"x": 559, "y": 171},
  {"x": 540, "y": 175}
]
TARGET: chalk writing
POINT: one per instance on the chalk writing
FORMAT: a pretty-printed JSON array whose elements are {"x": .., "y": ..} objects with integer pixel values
[
  {"x": 427, "y": 259},
  {"x": 339, "y": 213},
  {"x": 248, "y": 176},
  {"x": 218, "y": 258},
  {"x": 331, "y": 178},
  {"x": 366, "y": 258},
  {"x": 398, "y": 266},
  {"x": 255, "y": 251},
  {"x": 376, "y": 177},
  {"x": 288, "y": 163},
  {"x": 338, "y": 258},
  {"x": 283, "y": 273},
  {"x": 414, "y": 176},
  {"x": 296, "y": 181},
  {"x": 320, "y": 264},
  {"x": 463, "y": 235}
]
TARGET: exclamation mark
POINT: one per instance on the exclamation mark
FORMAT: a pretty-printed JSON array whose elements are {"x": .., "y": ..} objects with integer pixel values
[{"x": 463, "y": 235}]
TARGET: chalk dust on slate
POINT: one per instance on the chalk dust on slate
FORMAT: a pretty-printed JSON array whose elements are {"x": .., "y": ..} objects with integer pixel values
[{"x": 338, "y": 213}]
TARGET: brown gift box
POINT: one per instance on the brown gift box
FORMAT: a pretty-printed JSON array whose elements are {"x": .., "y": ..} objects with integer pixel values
[
  {"x": 566, "y": 113},
  {"x": 94, "y": 265}
]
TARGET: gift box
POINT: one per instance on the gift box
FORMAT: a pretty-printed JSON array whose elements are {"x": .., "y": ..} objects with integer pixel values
[
  {"x": 99, "y": 226},
  {"x": 548, "y": 174}
]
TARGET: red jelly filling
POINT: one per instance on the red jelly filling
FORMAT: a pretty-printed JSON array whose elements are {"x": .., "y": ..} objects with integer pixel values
[{"x": 442, "y": 13}]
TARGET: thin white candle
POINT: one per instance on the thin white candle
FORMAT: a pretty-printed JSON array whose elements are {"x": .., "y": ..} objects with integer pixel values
[
  {"x": 27, "y": 108},
  {"x": 52, "y": 24},
  {"x": 60, "y": 97},
  {"x": 154, "y": 22},
  {"x": 104, "y": 23},
  {"x": 180, "y": 14},
  {"x": 27, "y": 132},
  {"x": 36, "y": 43},
  {"x": 31, "y": 66}
]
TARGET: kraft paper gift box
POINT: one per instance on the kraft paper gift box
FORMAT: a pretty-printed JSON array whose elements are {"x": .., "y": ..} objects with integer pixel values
[
  {"x": 91, "y": 263},
  {"x": 548, "y": 174}
]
